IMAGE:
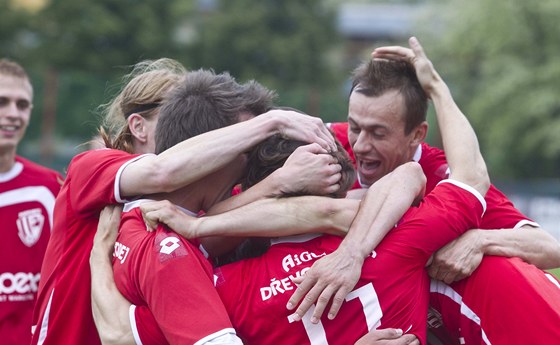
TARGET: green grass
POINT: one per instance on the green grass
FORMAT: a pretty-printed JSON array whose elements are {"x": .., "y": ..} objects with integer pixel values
[{"x": 556, "y": 272}]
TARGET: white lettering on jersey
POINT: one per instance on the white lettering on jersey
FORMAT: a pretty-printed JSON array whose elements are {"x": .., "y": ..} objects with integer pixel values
[
  {"x": 280, "y": 286},
  {"x": 30, "y": 225},
  {"x": 20, "y": 282},
  {"x": 169, "y": 244},
  {"x": 291, "y": 261},
  {"x": 121, "y": 251}
]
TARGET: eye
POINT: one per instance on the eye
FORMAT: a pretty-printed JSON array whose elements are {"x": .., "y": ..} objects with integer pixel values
[
  {"x": 23, "y": 104},
  {"x": 4, "y": 101}
]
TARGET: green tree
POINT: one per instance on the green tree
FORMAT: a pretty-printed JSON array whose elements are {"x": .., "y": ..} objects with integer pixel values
[
  {"x": 284, "y": 44},
  {"x": 501, "y": 59}
]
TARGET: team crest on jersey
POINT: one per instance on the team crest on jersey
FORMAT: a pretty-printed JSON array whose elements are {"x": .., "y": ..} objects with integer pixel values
[{"x": 30, "y": 225}]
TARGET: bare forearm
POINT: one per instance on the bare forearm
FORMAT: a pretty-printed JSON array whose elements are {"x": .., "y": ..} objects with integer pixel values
[
  {"x": 465, "y": 160},
  {"x": 109, "y": 307},
  {"x": 384, "y": 204},
  {"x": 282, "y": 217},
  {"x": 195, "y": 158},
  {"x": 533, "y": 245},
  {"x": 264, "y": 189}
]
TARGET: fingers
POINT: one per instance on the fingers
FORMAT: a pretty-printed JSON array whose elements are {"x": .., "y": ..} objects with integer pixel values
[
  {"x": 338, "y": 299},
  {"x": 410, "y": 339},
  {"x": 321, "y": 304},
  {"x": 312, "y": 148},
  {"x": 302, "y": 293}
]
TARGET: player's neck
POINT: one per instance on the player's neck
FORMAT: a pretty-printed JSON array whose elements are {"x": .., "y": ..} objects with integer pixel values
[
  {"x": 7, "y": 159},
  {"x": 188, "y": 197}
]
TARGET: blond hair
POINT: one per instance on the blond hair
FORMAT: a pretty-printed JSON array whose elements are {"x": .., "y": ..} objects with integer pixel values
[{"x": 145, "y": 87}]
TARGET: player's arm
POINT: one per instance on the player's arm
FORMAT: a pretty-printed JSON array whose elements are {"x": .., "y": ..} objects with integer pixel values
[
  {"x": 196, "y": 157},
  {"x": 109, "y": 307},
  {"x": 464, "y": 159},
  {"x": 269, "y": 217},
  {"x": 317, "y": 174},
  {"x": 459, "y": 258}
]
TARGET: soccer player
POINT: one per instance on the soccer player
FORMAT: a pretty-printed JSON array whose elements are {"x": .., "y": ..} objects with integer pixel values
[
  {"x": 393, "y": 286},
  {"x": 27, "y": 194},
  {"x": 98, "y": 178},
  {"x": 386, "y": 127}
]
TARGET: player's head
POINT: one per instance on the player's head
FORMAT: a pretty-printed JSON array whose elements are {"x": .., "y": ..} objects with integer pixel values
[
  {"x": 130, "y": 119},
  {"x": 16, "y": 102},
  {"x": 205, "y": 101},
  {"x": 386, "y": 115},
  {"x": 272, "y": 153}
]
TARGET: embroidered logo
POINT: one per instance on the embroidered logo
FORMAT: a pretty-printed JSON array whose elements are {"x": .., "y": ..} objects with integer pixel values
[{"x": 30, "y": 225}]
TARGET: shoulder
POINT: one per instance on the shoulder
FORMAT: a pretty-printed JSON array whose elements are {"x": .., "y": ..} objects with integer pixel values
[{"x": 39, "y": 172}]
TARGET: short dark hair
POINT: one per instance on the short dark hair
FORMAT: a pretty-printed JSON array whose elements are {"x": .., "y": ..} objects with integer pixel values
[
  {"x": 265, "y": 158},
  {"x": 378, "y": 76},
  {"x": 273, "y": 152},
  {"x": 205, "y": 101}
]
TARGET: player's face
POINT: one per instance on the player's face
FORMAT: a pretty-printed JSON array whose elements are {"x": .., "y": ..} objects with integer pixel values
[
  {"x": 15, "y": 110},
  {"x": 376, "y": 133}
]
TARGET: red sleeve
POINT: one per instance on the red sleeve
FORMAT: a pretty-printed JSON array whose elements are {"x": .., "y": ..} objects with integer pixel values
[
  {"x": 434, "y": 165},
  {"x": 93, "y": 178},
  {"x": 500, "y": 212},
  {"x": 443, "y": 215},
  {"x": 145, "y": 328},
  {"x": 177, "y": 284}
]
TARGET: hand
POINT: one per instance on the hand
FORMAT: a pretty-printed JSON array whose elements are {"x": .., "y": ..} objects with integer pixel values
[
  {"x": 335, "y": 274},
  {"x": 458, "y": 259},
  {"x": 166, "y": 213},
  {"x": 309, "y": 171},
  {"x": 389, "y": 336},
  {"x": 107, "y": 231},
  {"x": 427, "y": 75},
  {"x": 309, "y": 129}
]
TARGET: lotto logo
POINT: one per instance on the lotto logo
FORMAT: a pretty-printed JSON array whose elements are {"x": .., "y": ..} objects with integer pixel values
[
  {"x": 20, "y": 282},
  {"x": 168, "y": 245}
]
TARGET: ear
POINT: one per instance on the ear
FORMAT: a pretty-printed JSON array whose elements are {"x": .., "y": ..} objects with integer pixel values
[
  {"x": 419, "y": 133},
  {"x": 137, "y": 125}
]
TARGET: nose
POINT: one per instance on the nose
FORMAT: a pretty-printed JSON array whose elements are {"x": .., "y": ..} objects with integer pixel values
[{"x": 362, "y": 144}]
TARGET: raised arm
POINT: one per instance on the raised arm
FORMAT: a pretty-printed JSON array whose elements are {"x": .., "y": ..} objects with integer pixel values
[
  {"x": 210, "y": 151},
  {"x": 321, "y": 283}
]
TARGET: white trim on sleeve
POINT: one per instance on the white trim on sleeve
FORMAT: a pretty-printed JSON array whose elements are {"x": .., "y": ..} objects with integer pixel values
[
  {"x": 226, "y": 336},
  {"x": 133, "y": 326},
  {"x": 468, "y": 188},
  {"x": 118, "y": 178},
  {"x": 526, "y": 222}
]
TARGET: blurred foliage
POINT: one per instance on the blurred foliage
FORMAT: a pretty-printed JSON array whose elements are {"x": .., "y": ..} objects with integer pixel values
[
  {"x": 285, "y": 45},
  {"x": 77, "y": 50},
  {"x": 500, "y": 58}
]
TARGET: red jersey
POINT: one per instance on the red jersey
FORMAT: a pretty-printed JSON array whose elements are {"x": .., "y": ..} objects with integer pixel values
[
  {"x": 63, "y": 310},
  {"x": 27, "y": 194},
  {"x": 169, "y": 275},
  {"x": 500, "y": 214},
  {"x": 393, "y": 287},
  {"x": 521, "y": 305}
]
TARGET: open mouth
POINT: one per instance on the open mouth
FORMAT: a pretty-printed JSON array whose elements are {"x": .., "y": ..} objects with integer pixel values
[{"x": 368, "y": 167}]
